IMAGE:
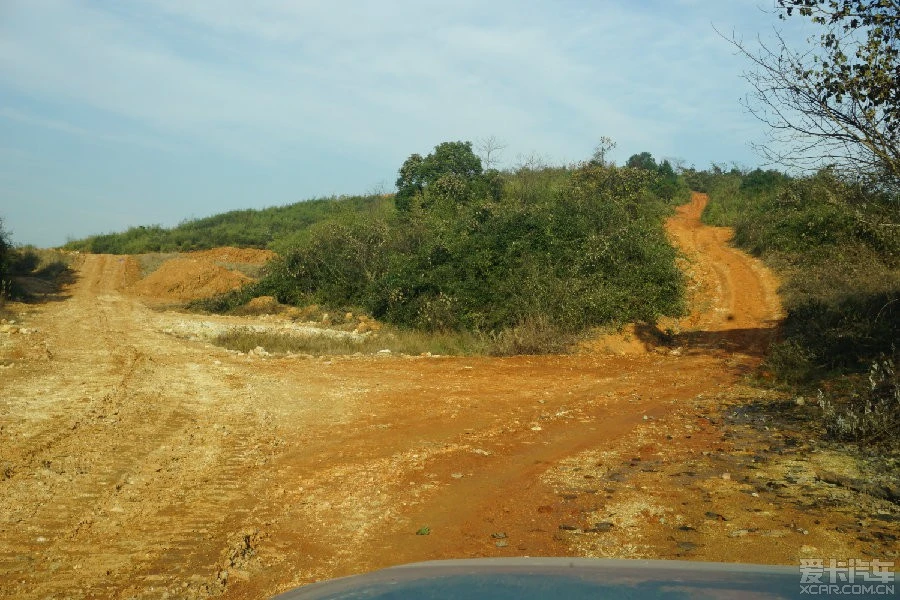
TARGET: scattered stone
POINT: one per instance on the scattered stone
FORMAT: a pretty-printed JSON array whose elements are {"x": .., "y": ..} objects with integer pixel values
[
  {"x": 424, "y": 531},
  {"x": 687, "y": 546},
  {"x": 602, "y": 527},
  {"x": 384, "y": 351},
  {"x": 500, "y": 535},
  {"x": 738, "y": 533},
  {"x": 456, "y": 475},
  {"x": 566, "y": 527},
  {"x": 714, "y": 515},
  {"x": 501, "y": 544}
]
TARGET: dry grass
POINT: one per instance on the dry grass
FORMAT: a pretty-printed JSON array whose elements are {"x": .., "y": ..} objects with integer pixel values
[
  {"x": 397, "y": 341},
  {"x": 152, "y": 261},
  {"x": 251, "y": 270}
]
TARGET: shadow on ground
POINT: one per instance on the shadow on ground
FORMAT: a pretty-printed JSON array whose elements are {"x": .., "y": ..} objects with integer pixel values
[{"x": 753, "y": 342}]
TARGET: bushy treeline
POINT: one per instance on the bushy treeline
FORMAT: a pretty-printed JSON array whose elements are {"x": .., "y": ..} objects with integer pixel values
[
  {"x": 5, "y": 250},
  {"x": 272, "y": 228},
  {"x": 561, "y": 248},
  {"x": 27, "y": 272},
  {"x": 836, "y": 246}
]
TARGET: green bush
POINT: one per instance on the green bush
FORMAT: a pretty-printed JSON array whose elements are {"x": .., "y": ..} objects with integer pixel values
[
  {"x": 452, "y": 173},
  {"x": 837, "y": 251},
  {"x": 557, "y": 251}
]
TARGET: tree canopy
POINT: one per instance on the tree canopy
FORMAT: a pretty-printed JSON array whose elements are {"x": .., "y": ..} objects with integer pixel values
[
  {"x": 453, "y": 172},
  {"x": 837, "y": 102},
  {"x": 644, "y": 160}
]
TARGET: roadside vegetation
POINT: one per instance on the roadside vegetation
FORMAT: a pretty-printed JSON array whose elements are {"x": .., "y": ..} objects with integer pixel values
[
  {"x": 28, "y": 273},
  {"x": 273, "y": 228},
  {"x": 832, "y": 113},
  {"x": 836, "y": 246},
  {"x": 5, "y": 251},
  {"x": 525, "y": 258}
]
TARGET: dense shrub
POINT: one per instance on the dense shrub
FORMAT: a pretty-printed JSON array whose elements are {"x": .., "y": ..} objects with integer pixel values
[
  {"x": 556, "y": 251},
  {"x": 837, "y": 251},
  {"x": 667, "y": 185},
  {"x": 836, "y": 246},
  {"x": 452, "y": 173}
]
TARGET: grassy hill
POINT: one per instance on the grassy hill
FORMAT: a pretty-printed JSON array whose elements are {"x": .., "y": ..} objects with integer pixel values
[{"x": 273, "y": 228}]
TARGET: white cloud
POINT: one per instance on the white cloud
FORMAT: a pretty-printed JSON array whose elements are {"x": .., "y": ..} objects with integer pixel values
[
  {"x": 266, "y": 85},
  {"x": 255, "y": 78}
]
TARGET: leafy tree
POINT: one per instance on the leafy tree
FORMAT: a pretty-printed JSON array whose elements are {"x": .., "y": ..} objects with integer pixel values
[
  {"x": 837, "y": 103},
  {"x": 667, "y": 184},
  {"x": 452, "y": 172},
  {"x": 644, "y": 160}
]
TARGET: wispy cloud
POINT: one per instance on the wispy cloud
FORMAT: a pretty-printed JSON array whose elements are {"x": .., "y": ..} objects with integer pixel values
[
  {"x": 271, "y": 83},
  {"x": 248, "y": 77}
]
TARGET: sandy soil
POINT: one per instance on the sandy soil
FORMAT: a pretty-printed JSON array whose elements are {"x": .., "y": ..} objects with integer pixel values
[{"x": 135, "y": 463}]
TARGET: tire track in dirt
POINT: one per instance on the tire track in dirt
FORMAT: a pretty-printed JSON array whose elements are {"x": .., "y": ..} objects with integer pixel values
[
  {"x": 735, "y": 300},
  {"x": 140, "y": 465},
  {"x": 98, "y": 473}
]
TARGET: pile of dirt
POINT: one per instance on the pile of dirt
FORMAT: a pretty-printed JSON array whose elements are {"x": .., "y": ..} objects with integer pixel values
[
  {"x": 261, "y": 305},
  {"x": 625, "y": 342},
  {"x": 188, "y": 279},
  {"x": 227, "y": 254}
]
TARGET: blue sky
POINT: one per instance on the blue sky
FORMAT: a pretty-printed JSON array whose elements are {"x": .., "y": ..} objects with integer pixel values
[{"x": 115, "y": 114}]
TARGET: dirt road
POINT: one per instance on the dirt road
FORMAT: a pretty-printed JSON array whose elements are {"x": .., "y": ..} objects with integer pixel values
[{"x": 135, "y": 464}]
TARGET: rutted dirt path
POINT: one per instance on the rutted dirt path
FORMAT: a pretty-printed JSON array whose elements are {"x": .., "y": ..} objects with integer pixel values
[{"x": 134, "y": 464}]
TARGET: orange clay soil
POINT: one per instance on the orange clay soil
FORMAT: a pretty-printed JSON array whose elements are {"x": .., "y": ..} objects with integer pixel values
[{"x": 136, "y": 464}]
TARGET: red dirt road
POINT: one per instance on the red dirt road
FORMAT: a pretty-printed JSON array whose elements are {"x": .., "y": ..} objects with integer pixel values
[{"x": 135, "y": 464}]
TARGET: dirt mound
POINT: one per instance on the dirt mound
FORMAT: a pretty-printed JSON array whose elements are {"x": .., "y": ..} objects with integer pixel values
[
  {"x": 625, "y": 342},
  {"x": 253, "y": 256},
  {"x": 188, "y": 279},
  {"x": 262, "y": 305}
]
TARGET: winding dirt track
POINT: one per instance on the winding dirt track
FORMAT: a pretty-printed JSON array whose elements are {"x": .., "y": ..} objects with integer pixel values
[{"x": 136, "y": 464}]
